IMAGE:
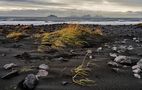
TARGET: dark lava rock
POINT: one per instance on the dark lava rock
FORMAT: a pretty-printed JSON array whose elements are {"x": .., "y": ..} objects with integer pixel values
[
  {"x": 24, "y": 56},
  {"x": 29, "y": 83},
  {"x": 11, "y": 74},
  {"x": 16, "y": 46},
  {"x": 65, "y": 82}
]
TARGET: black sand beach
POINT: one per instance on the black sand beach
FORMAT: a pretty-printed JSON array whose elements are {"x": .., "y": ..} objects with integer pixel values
[{"x": 104, "y": 76}]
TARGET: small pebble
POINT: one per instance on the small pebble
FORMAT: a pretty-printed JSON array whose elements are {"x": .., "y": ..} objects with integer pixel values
[
  {"x": 65, "y": 82},
  {"x": 91, "y": 57}
]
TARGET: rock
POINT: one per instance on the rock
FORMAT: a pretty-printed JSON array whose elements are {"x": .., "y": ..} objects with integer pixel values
[
  {"x": 136, "y": 71},
  {"x": 65, "y": 82},
  {"x": 11, "y": 74},
  {"x": 123, "y": 60},
  {"x": 61, "y": 59},
  {"x": 99, "y": 49},
  {"x": 119, "y": 51},
  {"x": 44, "y": 67},
  {"x": 137, "y": 41},
  {"x": 114, "y": 48},
  {"x": 135, "y": 67},
  {"x": 30, "y": 82},
  {"x": 130, "y": 48},
  {"x": 137, "y": 76},
  {"x": 120, "y": 58},
  {"x": 9, "y": 66},
  {"x": 113, "y": 55},
  {"x": 134, "y": 38},
  {"x": 114, "y": 64},
  {"x": 42, "y": 73},
  {"x": 139, "y": 63},
  {"x": 71, "y": 51}
]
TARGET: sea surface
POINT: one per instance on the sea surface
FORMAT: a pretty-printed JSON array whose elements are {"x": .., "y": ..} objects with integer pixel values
[{"x": 70, "y": 22}]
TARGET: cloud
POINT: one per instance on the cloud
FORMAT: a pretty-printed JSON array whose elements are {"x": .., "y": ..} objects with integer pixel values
[
  {"x": 68, "y": 7},
  {"x": 131, "y": 3},
  {"x": 94, "y": 5}
]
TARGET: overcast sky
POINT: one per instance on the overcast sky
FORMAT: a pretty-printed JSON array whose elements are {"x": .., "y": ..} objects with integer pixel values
[{"x": 71, "y": 7}]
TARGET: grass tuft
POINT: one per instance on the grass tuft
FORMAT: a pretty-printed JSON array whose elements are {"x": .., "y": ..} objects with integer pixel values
[
  {"x": 81, "y": 73},
  {"x": 15, "y": 36},
  {"x": 71, "y": 36}
]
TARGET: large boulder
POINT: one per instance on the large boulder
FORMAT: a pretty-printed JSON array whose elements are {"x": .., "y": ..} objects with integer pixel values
[{"x": 30, "y": 82}]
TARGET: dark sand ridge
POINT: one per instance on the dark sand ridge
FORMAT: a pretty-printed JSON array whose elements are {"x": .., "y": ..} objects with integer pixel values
[{"x": 105, "y": 78}]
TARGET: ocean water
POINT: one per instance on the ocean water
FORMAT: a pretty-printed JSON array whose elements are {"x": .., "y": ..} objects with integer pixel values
[{"x": 72, "y": 22}]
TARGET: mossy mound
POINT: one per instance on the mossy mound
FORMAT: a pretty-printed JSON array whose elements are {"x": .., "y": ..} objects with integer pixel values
[{"x": 71, "y": 36}]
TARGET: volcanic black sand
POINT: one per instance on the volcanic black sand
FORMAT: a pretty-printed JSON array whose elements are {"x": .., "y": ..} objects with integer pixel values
[{"x": 102, "y": 74}]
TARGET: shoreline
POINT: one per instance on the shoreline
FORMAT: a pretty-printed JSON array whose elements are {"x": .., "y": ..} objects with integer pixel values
[{"x": 70, "y": 22}]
